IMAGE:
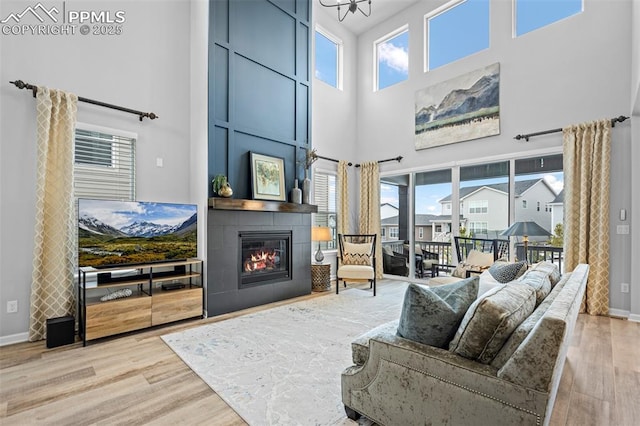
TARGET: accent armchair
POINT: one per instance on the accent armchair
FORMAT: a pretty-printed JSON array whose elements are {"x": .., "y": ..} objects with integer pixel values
[{"x": 356, "y": 260}]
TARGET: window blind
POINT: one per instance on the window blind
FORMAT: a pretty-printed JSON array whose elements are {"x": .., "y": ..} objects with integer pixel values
[{"x": 104, "y": 165}]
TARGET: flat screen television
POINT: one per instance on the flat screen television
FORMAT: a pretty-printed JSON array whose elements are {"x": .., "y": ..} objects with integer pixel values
[{"x": 119, "y": 233}]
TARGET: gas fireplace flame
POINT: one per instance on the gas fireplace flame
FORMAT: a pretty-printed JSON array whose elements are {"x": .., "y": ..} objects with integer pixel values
[{"x": 261, "y": 261}]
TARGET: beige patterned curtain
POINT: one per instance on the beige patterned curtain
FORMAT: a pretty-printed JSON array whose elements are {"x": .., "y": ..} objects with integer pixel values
[
  {"x": 587, "y": 152},
  {"x": 369, "y": 220},
  {"x": 52, "y": 288},
  {"x": 343, "y": 197}
]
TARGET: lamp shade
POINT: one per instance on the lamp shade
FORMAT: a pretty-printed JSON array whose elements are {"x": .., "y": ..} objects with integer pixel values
[
  {"x": 527, "y": 228},
  {"x": 321, "y": 233}
]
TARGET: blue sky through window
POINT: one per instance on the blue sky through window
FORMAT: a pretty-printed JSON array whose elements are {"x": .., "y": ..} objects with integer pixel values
[
  {"x": 326, "y": 60},
  {"x": 534, "y": 14},
  {"x": 458, "y": 32},
  {"x": 393, "y": 60}
]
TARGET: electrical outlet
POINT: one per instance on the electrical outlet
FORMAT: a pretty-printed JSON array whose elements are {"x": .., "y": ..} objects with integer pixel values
[
  {"x": 12, "y": 306},
  {"x": 624, "y": 287}
]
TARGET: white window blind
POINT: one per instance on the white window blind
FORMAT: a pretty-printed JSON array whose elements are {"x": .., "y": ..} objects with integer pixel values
[
  {"x": 324, "y": 195},
  {"x": 104, "y": 164}
]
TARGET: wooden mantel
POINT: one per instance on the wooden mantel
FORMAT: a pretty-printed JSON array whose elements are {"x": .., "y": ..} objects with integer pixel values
[{"x": 260, "y": 206}]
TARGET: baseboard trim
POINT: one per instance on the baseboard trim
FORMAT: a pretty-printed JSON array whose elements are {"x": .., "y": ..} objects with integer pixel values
[
  {"x": 634, "y": 317},
  {"x": 14, "y": 338}
]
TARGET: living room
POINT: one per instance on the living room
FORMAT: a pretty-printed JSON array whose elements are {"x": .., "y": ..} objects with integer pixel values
[{"x": 580, "y": 69}]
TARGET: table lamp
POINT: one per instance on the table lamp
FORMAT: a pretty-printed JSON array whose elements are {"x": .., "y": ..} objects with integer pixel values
[
  {"x": 525, "y": 229},
  {"x": 320, "y": 233}
]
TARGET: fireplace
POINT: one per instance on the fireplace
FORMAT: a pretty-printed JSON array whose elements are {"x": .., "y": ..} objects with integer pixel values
[{"x": 264, "y": 257}]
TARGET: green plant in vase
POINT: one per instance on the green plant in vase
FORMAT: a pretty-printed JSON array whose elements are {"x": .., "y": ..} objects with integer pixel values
[{"x": 221, "y": 186}]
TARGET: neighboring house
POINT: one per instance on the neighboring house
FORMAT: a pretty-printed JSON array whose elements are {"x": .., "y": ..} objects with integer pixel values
[
  {"x": 557, "y": 210},
  {"x": 427, "y": 227},
  {"x": 388, "y": 210},
  {"x": 485, "y": 208}
]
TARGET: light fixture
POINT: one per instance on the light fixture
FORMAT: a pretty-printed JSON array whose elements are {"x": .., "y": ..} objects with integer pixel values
[
  {"x": 352, "y": 7},
  {"x": 320, "y": 233},
  {"x": 525, "y": 230}
]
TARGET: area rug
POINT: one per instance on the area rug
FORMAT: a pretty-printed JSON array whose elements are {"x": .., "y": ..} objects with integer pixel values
[{"x": 282, "y": 366}]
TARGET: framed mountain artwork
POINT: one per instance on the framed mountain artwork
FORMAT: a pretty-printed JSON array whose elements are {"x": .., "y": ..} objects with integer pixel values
[{"x": 461, "y": 109}]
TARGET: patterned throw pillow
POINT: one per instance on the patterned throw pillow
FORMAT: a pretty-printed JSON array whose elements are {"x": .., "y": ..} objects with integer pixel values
[
  {"x": 504, "y": 272},
  {"x": 356, "y": 254},
  {"x": 490, "y": 321},
  {"x": 431, "y": 315}
]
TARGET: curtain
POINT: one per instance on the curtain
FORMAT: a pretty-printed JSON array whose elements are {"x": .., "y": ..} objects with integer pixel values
[
  {"x": 369, "y": 220},
  {"x": 343, "y": 197},
  {"x": 52, "y": 287},
  {"x": 586, "y": 154}
]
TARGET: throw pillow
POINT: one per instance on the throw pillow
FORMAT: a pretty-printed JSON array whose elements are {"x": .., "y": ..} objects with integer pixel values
[
  {"x": 431, "y": 315},
  {"x": 539, "y": 281},
  {"x": 356, "y": 253},
  {"x": 490, "y": 321},
  {"x": 504, "y": 272},
  {"x": 550, "y": 269}
]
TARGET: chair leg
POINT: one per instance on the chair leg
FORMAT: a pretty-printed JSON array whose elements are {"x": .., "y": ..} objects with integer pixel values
[
  {"x": 374, "y": 286},
  {"x": 337, "y": 285}
]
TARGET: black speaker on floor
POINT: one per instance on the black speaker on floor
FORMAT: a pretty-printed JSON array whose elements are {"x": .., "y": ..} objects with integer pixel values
[{"x": 60, "y": 331}]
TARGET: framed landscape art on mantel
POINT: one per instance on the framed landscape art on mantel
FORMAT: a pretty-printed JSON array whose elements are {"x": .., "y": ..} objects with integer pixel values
[
  {"x": 460, "y": 109},
  {"x": 267, "y": 177}
]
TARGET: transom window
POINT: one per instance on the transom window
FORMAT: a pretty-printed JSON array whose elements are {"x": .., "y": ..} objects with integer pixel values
[
  {"x": 458, "y": 29},
  {"x": 478, "y": 228},
  {"x": 392, "y": 58},
  {"x": 328, "y": 58},
  {"x": 533, "y": 14}
]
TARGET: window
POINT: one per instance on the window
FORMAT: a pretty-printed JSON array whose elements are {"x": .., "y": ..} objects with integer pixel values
[
  {"x": 393, "y": 233},
  {"x": 478, "y": 229},
  {"x": 328, "y": 58},
  {"x": 478, "y": 206},
  {"x": 420, "y": 233},
  {"x": 456, "y": 30},
  {"x": 324, "y": 195},
  {"x": 524, "y": 204},
  {"x": 533, "y": 14},
  {"x": 392, "y": 59},
  {"x": 538, "y": 206},
  {"x": 104, "y": 163}
]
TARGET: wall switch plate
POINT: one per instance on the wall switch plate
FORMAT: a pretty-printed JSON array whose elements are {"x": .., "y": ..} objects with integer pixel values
[
  {"x": 12, "y": 306},
  {"x": 624, "y": 287},
  {"x": 622, "y": 229}
]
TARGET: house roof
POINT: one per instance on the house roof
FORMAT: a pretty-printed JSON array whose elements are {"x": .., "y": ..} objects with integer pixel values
[
  {"x": 520, "y": 188},
  {"x": 420, "y": 219},
  {"x": 559, "y": 198}
]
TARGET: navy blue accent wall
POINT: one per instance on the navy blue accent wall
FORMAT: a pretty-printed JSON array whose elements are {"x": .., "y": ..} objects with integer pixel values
[{"x": 259, "y": 87}]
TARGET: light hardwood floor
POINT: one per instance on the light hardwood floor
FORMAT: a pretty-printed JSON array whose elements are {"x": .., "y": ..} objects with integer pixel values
[{"x": 136, "y": 379}]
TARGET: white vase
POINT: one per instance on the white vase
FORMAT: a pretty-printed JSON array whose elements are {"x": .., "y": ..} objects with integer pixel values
[
  {"x": 306, "y": 189},
  {"x": 296, "y": 193}
]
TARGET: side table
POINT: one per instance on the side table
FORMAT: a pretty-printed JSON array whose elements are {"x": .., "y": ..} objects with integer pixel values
[{"x": 320, "y": 276}]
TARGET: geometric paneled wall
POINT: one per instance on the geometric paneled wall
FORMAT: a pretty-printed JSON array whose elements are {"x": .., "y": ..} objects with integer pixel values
[{"x": 259, "y": 87}]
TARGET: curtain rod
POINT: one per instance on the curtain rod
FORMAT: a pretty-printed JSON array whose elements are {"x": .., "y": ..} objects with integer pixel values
[
  {"x": 22, "y": 85},
  {"x": 313, "y": 157},
  {"x": 526, "y": 137}
]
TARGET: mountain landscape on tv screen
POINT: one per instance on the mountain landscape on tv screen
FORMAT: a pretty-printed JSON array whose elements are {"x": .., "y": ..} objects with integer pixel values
[{"x": 115, "y": 240}]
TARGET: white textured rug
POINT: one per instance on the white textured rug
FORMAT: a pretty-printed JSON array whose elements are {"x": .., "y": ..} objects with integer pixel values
[{"x": 282, "y": 366}]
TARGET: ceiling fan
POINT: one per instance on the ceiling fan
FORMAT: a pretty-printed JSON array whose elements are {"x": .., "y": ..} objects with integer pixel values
[{"x": 353, "y": 6}]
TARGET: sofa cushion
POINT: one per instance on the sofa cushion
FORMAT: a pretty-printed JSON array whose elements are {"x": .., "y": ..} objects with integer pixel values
[
  {"x": 356, "y": 253},
  {"x": 490, "y": 321},
  {"x": 504, "y": 272},
  {"x": 525, "y": 327},
  {"x": 539, "y": 281},
  {"x": 550, "y": 269},
  {"x": 432, "y": 315},
  {"x": 356, "y": 272}
]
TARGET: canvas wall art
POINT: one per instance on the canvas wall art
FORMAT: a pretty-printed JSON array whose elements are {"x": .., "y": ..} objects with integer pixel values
[
  {"x": 267, "y": 175},
  {"x": 461, "y": 109}
]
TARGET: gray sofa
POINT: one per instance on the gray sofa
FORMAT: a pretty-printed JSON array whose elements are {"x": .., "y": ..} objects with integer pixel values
[{"x": 396, "y": 381}]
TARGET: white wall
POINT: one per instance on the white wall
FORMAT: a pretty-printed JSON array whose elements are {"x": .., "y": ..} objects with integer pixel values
[
  {"x": 146, "y": 68},
  {"x": 562, "y": 74},
  {"x": 635, "y": 159}
]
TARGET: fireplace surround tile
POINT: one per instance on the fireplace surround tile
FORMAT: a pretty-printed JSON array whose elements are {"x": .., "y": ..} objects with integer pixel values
[{"x": 223, "y": 291}]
